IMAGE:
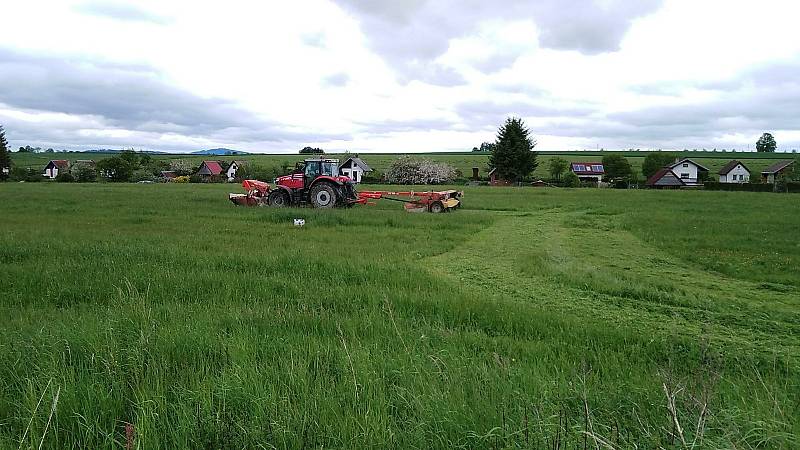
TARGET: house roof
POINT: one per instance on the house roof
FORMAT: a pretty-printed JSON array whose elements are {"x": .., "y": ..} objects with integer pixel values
[
  {"x": 664, "y": 177},
  {"x": 359, "y": 162},
  {"x": 777, "y": 167},
  {"x": 60, "y": 163},
  {"x": 212, "y": 168},
  {"x": 168, "y": 174},
  {"x": 685, "y": 160},
  {"x": 730, "y": 166},
  {"x": 587, "y": 168}
]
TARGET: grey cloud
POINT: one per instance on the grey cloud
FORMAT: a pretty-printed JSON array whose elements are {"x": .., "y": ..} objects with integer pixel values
[
  {"x": 409, "y": 33},
  {"x": 488, "y": 114},
  {"x": 129, "y": 97},
  {"x": 382, "y": 127},
  {"x": 120, "y": 11}
]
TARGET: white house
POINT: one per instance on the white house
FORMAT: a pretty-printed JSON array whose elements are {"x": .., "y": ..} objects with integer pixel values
[
  {"x": 232, "y": 168},
  {"x": 734, "y": 172},
  {"x": 52, "y": 168},
  {"x": 688, "y": 171},
  {"x": 354, "y": 168}
]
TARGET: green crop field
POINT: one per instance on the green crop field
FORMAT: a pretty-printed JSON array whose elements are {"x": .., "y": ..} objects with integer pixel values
[{"x": 162, "y": 316}]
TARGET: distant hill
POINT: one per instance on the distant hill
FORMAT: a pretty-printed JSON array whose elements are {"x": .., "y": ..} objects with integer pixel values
[
  {"x": 108, "y": 150},
  {"x": 219, "y": 151}
]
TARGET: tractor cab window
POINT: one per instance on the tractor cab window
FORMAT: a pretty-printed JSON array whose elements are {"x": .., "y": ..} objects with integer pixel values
[
  {"x": 330, "y": 169},
  {"x": 312, "y": 170}
]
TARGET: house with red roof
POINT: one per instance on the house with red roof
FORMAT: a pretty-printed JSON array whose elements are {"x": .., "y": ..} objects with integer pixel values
[
  {"x": 53, "y": 166},
  {"x": 210, "y": 169},
  {"x": 591, "y": 172}
]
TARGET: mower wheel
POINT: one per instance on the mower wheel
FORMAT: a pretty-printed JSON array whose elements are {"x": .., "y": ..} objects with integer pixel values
[
  {"x": 437, "y": 207},
  {"x": 323, "y": 195},
  {"x": 278, "y": 199}
]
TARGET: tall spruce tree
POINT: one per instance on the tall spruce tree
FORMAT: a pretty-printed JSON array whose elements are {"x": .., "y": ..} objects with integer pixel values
[
  {"x": 5, "y": 156},
  {"x": 513, "y": 154}
]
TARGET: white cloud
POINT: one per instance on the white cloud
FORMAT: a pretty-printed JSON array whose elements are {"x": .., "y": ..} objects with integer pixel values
[{"x": 396, "y": 76}]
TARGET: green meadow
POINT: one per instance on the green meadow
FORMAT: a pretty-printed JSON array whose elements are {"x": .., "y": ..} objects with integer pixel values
[{"x": 162, "y": 316}]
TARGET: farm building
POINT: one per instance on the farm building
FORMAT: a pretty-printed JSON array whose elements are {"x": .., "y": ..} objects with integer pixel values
[
  {"x": 230, "y": 172},
  {"x": 588, "y": 171},
  {"x": 168, "y": 175},
  {"x": 665, "y": 179},
  {"x": 355, "y": 168},
  {"x": 210, "y": 169},
  {"x": 54, "y": 166},
  {"x": 689, "y": 172},
  {"x": 495, "y": 180},
  {"x": 769, "y": 174},
  {"x": 734, "y": 172}
]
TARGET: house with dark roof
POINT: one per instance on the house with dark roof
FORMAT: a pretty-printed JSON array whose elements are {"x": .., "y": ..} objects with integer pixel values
[
  {"x": 592, "y": 172},
  {"x": 665, "y": 179},
  {"x": 354, "y": 168},
  {"x": 690, "y": 172},
  {"x": 774, "y": 171},
  {"x": 230, "y": 172},
  {"x": 168, "y": 175},
  {"x": 54, "y": 166},
  {"x": 210, "y": 169},
  {"x": 734, "y": 172}
]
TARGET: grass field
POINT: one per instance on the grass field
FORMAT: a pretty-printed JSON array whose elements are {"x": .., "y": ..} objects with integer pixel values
[
  {"x": 464, "y": 162},
  {"x": 530, "y": 318}
]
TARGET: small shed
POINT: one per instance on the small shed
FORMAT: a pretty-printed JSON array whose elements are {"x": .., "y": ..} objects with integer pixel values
[
  {"x": 54, "y": 166},
  {"x": 495, "y": 180},
  {"x": 588, "y": 171},
  {"x": 769, "y": 174},
  {"x": 168, "y": 175},
  {"x": 734, "y": 172},
  {"x": 209, "y": 169},
  {"x": 355, "y": 168},
  {"x": 665, "y": 179}
]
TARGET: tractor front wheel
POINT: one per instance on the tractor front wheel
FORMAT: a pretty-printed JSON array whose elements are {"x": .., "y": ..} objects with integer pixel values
[
  {"x": 278, "y": 199},
  {"x": 323, "y": 195}
]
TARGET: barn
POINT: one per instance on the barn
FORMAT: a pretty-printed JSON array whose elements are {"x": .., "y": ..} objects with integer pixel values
[{"x": 774, "y": 171}]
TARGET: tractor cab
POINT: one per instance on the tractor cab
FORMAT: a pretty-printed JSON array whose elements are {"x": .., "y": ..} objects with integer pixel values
[{"x": 315, "y": 168}]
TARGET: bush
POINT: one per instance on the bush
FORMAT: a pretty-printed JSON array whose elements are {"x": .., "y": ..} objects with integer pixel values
[
  {"x": 85, "y": 173},
  {"x": 749, "y": 187},
  {"x": 571, "y": 180},
  {"x": 64, "y": 177},
  {"x": 181, "y": 179}
]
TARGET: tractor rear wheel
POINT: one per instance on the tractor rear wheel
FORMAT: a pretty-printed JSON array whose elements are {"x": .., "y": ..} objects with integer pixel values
[
  {"x": 323, "y": 195},
  {"x": 278, "y": 199},
  {"x": 437, "y": 207}
]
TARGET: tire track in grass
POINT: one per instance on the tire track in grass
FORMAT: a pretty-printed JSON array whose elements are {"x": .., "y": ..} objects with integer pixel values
[{"x": 586, "y": 267}]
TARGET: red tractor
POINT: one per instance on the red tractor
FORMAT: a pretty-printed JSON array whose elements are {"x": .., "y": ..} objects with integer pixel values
[{"x": 314, "y": 181}]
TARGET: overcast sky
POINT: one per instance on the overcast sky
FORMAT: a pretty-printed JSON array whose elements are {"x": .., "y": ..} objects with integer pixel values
[{"x": 399, "y": 76}]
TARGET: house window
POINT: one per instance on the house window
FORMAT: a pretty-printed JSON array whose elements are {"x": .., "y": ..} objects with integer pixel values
[
  {"x": 597, "y": 168},
  {"x": 684, "y": 175},
  {"x": 580, "y": 168},
  {"x": 685, "y": 164},
  {"x": 741, "y": 177}
]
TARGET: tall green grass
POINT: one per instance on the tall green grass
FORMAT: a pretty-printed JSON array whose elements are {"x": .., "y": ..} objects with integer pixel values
[{"x": 528, "y": 318}]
